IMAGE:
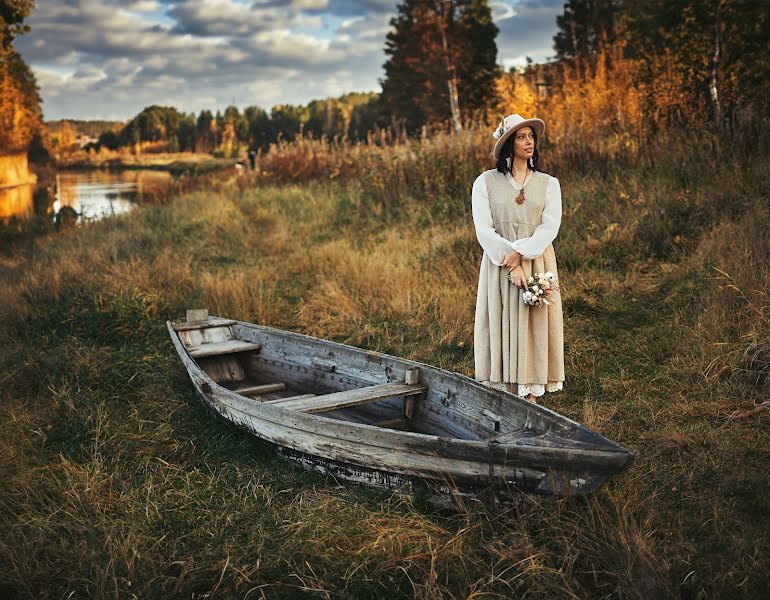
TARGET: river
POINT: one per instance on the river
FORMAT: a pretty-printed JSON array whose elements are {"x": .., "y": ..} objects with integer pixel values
[{"x": 81, "y": 195}]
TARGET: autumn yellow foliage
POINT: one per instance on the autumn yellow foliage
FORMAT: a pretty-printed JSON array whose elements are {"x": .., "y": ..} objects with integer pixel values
[
  {"x": 19, "y": 103},
  {"x": 608, "y": 111}
]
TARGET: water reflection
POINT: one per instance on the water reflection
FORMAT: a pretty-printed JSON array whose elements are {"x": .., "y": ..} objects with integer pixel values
[
  {"x": 90, "y": 195},
  {"x": 98, "y": 194}
]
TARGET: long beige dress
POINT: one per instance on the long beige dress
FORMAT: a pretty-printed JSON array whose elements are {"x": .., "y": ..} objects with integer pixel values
[{"x": 516, "y": 346}]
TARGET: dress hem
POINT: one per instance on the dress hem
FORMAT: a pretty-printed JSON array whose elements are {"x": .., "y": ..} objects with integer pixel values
[{"x": 526, "y": 389}]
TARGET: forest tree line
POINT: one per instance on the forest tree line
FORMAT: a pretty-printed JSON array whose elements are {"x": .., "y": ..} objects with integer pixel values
[
  {"x": 225, "y": 132},
  {"x": 655, "y": 64}
]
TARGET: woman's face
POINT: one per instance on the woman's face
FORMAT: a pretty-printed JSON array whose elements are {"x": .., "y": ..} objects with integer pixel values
[{"x": 523, "y": 143}]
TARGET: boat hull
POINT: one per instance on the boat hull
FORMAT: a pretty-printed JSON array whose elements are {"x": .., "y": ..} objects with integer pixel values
[{"x": 483, "y": 464}]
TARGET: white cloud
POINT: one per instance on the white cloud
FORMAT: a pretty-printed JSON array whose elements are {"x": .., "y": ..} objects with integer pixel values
[
  {"x": 143, "y": 6},
  {"x": 226, "y": 17},
  {"x": 309, "y": 4},
  {"x": 285, "y": 47},
  {"x": 95, "y": 58},
  {"x": 502, "y": 11}
]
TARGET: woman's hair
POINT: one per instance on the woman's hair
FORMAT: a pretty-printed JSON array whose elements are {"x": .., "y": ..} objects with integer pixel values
[{"x": 507, "y": 152}]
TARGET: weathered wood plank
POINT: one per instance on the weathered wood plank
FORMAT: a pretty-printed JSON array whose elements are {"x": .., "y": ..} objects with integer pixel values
[
  {"x": 206, "y": 335},
  {"x": 412, "y": 375},
  {"x": 301, "y": 352},
  {"x": 297, "y": 397},
  {"x": 196, "y": 315},
  {"x": 351, "y": 397},
  {"x": 409, "y": 407},
  {"x": 228, "y": 347},
  {"x": 326, "y": 366},
  {"x": 400, "y": 423},
  {"x": 513, "y": 435},
  {"x": 223, "y": 368},
  {"x": 212, "y": 322},
  {"x": 256, "y": 390},
  {"x": 344, "y": 415}
]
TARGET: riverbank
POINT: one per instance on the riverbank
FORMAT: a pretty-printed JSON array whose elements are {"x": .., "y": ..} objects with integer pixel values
[
  {"x": 70, "y": 196},
  {"x": 175, "y": 163},
  {"x": 115, "y": 482}
]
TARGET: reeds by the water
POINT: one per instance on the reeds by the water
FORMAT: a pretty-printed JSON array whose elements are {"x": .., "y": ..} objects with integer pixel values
[{"x": 114, "y": 482}]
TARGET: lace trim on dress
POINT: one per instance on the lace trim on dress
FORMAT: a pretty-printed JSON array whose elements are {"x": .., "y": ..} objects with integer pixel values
[
  {"x": 538, "y": 390},
  {"x": 525, "y": 389}
]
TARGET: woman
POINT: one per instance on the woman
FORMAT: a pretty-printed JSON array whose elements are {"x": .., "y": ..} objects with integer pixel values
[{"x": 517, "y": 213}]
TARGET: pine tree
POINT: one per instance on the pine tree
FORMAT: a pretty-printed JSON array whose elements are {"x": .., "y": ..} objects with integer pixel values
[
  {"x": 478, "y": 69},
  {"x": 404, "y": 79},
  {"x": 204, "y": 124},
  {"x": 584, "y": 26},
  {"x": 442, "y": 54}
]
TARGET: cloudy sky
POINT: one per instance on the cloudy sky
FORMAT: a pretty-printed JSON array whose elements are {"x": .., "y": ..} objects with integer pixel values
[{"x": 108, "y": 59}]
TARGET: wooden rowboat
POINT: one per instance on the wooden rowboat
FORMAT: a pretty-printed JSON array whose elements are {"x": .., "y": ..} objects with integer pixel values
[{"x": 385, "y": 421}]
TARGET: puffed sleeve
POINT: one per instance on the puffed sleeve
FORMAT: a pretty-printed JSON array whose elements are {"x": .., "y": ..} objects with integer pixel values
[
  {"x": 492, "y": 242},
  {"x": 545, "y": 233}
]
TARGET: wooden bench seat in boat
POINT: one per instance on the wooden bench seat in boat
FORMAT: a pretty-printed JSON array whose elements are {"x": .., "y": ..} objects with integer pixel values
[
  {"x": 200, "y": 325},
  {"x": 219, "y": 348},
  {"x": 256, "y": 390},
  {"x": 349, "y": 398}
]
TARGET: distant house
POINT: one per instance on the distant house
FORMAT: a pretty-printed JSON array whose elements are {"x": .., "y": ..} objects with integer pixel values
[{"x": 82, "y": 140}]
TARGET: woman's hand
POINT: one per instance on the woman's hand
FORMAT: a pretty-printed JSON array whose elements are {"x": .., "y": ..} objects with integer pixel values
[
  {"x": 511, "y": 260},
  {"x": 518, "y": 278}
]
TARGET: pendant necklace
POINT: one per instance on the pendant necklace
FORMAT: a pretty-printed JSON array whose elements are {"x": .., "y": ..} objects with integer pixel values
[{"x": 520, "y": 198}]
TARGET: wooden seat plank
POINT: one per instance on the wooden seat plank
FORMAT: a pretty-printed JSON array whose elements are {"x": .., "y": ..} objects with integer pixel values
[
  {"x": 218, "y": 348},
  {"x": 265, "y": 400},
  {"x": 212, "y": 322},
  {"x": 298, "y": 397},
  {"x": 352, "y": 397},
  {"x": 256, "y": 390}
]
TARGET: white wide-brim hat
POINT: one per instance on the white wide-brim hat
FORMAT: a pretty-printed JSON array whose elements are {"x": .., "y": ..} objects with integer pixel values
[{"x": 510, "y": 124}]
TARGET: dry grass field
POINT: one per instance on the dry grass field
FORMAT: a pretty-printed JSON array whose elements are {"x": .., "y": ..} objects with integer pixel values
[{"x": 115, "y": 483}]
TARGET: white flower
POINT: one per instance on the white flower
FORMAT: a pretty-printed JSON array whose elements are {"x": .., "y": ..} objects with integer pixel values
[
  {"x": 550, "y": 276},
  {"x": 535, "y": 288}
]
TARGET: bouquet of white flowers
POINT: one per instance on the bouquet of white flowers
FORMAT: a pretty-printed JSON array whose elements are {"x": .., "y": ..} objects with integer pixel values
[{"x": 540, "y": 287}]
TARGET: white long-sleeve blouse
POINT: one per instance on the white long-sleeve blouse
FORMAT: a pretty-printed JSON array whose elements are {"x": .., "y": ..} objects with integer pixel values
[{"x": 531, "y": 247}]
